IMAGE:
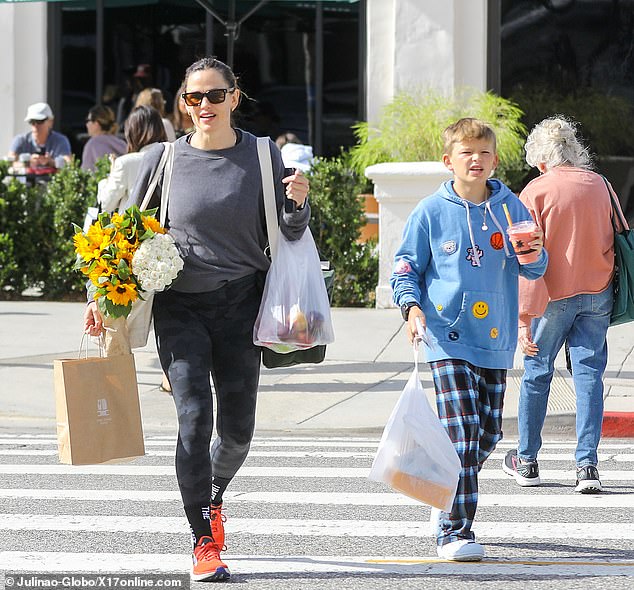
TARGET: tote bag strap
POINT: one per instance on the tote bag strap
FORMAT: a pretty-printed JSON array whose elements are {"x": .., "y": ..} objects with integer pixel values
[
  {"x": 167, "y": 182},
  {"x": 166, "y": 156},
  {"x": 268, "y": 190},
  {"x": 616, "y": 208}
]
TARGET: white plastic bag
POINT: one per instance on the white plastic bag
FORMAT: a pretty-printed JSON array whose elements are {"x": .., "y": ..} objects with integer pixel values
[
  {"x": 416, "y": 456},
  {"x": 295, "y": 309}
]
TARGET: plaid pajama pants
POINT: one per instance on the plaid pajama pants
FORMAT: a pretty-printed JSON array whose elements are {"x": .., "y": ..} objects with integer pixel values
[{"x": 469, "y": 401}]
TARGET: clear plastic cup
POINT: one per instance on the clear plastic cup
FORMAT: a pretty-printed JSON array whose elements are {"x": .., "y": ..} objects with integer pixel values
[{"x": 521, "y": 234}]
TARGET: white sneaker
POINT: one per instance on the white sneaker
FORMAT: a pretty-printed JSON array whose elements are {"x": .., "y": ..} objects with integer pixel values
[{"x": 462, "y": 550}]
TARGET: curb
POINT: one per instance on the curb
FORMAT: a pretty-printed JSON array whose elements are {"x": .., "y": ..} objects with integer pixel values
[{"x": 618, "y": 425}]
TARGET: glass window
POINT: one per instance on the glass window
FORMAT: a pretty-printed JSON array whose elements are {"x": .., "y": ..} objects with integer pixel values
[
  {"x": 274, "y": 58},
  {"x": 575, "y": 58}
]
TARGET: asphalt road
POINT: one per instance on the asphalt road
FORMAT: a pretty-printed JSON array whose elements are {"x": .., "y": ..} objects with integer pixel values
[{"x": 302, "y": 514}]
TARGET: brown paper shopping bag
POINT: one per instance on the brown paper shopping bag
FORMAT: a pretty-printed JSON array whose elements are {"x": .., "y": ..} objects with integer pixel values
[{"x": 97, "y": 407}]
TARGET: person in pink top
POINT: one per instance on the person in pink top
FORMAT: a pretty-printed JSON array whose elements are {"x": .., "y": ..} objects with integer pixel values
[{"x": 572, "y": 302}]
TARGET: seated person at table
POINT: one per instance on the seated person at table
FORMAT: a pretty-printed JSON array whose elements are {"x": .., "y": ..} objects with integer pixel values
[{"x": 41, "y": 142}]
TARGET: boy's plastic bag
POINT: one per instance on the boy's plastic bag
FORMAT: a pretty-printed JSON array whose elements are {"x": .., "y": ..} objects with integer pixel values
[
  {"x": 415, "y": 456},
  {"x": 295, "y": 309}
]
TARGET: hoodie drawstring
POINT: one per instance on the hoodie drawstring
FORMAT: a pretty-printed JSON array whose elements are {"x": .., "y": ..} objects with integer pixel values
[
  {"x": 499, "y": 226},
  {"x": 474, "y": 249}
]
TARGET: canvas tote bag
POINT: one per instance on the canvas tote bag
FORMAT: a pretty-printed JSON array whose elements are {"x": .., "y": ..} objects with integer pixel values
[{"x": 97, "y": 410}]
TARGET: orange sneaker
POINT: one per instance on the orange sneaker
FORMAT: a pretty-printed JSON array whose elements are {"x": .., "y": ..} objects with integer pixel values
[
  {"x": 206, "y": 562},
  {"x": 217, "y": 520}
]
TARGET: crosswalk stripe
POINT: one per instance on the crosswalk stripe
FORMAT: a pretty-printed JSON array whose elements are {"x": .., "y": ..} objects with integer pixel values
[
  {"x": 170, "y": 453},
  {"x": 326, "y": 443},
  {"x": 622, "y": 458},
  {"x": 308, "y": 443},
  {"x": 267, "y": 472},
  {"x": 526, "y": 500},
  {"x": 349, "y": 458},
  {"x": 312, "y": 528},
  {"x": 311, "y": 564}
]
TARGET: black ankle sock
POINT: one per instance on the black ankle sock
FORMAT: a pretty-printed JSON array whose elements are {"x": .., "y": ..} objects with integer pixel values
[
  {"x": 218, "y": 487},
  {"x": 198, "y": 517}
]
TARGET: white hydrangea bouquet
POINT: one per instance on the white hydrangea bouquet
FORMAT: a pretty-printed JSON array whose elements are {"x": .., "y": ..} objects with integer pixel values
[
  {"x": 156, "y": 263},
  {"x": 127, "y": 257}
]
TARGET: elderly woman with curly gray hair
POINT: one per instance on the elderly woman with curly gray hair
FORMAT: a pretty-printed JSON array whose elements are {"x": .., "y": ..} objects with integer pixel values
[{"x": 571, "y": 303}]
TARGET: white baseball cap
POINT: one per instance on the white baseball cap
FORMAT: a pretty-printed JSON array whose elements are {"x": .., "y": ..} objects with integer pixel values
[{"x": 38, "y": 112}]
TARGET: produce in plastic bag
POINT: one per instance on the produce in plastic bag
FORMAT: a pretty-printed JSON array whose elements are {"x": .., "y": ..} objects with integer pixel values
[
  {"x": 295, "y": 309},
  {"x": 415, "y": 456}
]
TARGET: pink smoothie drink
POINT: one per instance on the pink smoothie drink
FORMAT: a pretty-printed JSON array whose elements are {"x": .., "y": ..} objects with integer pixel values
[{"x": 520, "y": 234}]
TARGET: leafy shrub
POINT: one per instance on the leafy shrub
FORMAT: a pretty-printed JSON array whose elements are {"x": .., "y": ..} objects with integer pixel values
[
  {"x": 607, "y": 121},
  {"x": 24, "y": 220},
  {"x": 7, "y": 261},
  {"x": 69, "y": 194},
  {"x": 337, "y": 216},
  {"x": 410, "y": 129}
]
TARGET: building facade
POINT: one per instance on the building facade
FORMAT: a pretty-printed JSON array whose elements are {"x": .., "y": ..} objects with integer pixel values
[{"x": 311, "y": 67}]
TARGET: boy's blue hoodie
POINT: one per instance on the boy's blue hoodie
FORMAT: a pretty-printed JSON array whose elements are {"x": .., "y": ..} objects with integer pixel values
[{"x": 465, "y": 277}]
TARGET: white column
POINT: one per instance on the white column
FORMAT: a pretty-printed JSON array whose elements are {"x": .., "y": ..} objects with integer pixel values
[
  {"x": 398, "y": 187},
  {"x": 23, "y": 63},
  {"x": 418, "y": 43}
]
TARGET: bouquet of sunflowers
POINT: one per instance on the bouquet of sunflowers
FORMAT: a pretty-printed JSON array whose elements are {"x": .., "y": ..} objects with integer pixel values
[{"x": 125, "y": 255}]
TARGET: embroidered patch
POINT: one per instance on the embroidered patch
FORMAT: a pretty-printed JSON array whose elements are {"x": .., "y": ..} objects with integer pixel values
[
  {"x": 480, "y": 309},
  {"x": 449, "y": 247},
  {"x": 474, "y": 256},
  {"x": 402, "y": 267},
  {"x": 497, "y": 241},
  {"x": 494, "y": 333},
  {"x": 453, "y": 336}
]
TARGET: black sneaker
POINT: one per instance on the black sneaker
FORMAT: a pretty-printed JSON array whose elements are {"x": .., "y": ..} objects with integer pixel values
[
  {"x": 526, "y": 473},
  {"x": 588, "y": 481}
]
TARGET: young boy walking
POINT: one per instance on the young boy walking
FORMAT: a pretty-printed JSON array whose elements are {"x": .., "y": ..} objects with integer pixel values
[{"x": 457, "y": 273}]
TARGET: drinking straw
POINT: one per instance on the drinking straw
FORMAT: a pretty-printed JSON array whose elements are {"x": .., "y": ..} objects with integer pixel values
[{"x": 506, "y": 212}]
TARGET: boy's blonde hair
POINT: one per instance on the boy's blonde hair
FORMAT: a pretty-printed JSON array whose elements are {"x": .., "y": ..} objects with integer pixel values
[{"x": 467, "y": 128}]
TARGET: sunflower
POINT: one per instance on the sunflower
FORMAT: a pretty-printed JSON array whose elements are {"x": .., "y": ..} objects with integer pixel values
[
  {"x": 122, "y": 293},
  {"x": 87, "y": 249},
  {"x": 151, "y": 223},
  {"x": 125, "y": 249},
  {"x": 116, "y": 219},
  {"x": 100, "y": 236},
  {"x": 102, "y": 269}
]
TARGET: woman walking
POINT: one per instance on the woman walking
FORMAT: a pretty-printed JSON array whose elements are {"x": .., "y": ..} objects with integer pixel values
[
  {"x": 571, "y": 303},
  {"x": 204, "y": 322}
]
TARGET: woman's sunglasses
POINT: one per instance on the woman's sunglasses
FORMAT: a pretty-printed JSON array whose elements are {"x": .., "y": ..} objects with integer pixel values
[{"x": 215, "y": 96}]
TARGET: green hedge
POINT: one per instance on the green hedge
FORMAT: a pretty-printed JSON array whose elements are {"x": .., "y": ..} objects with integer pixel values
[
  {"x": 36, "y": 248},
  {"x": 336, "y": 220},
  {"x": 26, "y": 235}
]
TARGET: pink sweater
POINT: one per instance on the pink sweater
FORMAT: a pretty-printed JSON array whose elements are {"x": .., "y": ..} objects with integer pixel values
[{"x": 573, "y": 208}]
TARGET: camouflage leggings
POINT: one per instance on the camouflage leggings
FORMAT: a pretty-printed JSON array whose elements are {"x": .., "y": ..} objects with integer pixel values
[{"x": 198, "y": 334}]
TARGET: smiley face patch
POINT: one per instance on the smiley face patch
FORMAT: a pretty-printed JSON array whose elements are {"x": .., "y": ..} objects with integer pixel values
[{"x": 480, "y": 310}]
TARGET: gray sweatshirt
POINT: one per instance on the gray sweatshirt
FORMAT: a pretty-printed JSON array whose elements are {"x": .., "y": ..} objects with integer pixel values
[{"x": 216, "y": 210}]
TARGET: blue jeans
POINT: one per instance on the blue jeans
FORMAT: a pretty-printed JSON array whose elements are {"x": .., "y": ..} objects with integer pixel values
[{"x": 583, "y": 321}]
